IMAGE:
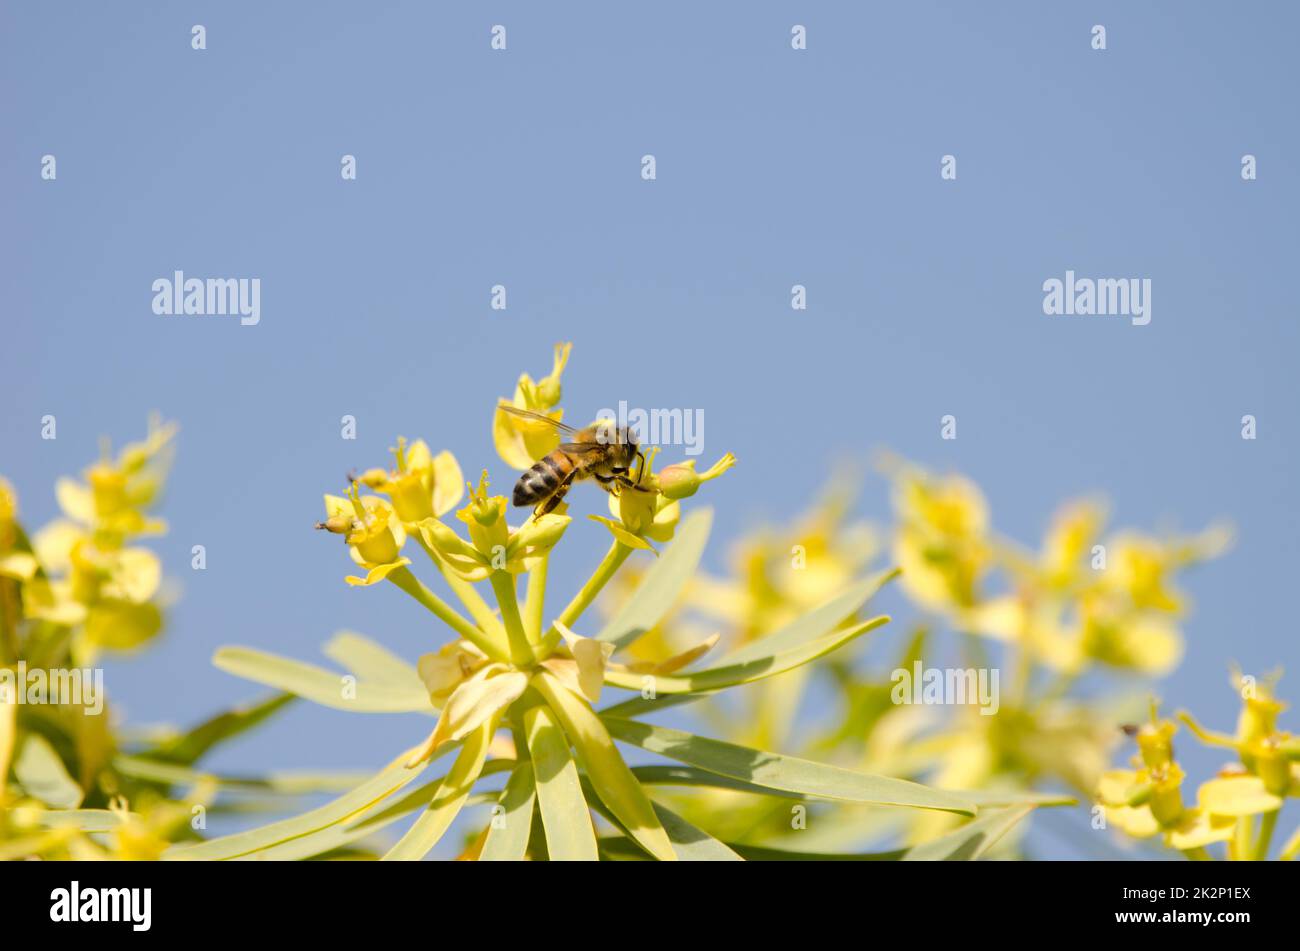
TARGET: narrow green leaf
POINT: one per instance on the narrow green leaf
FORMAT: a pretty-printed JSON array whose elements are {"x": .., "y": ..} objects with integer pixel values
[
  {"x": 668, "y": 775},
  {"x": 507, "y": 838},
  {"x": 322, "y": 686},
  {"x": 286, "y": 783},
  {"x": 642, "y": 706},
  {"x": 987, "y": 798},
  {"x": 604, "y": 765},
  {"x": 190, "y": 746},
  {"x": 813, "y": 625},
  {"x": 663, "y": 583},
  {"x": 747, "y": 671},
  {"x": 42, "y": 775},
  {"x": 565, "y": 817},
  {"x": 448, "y": 800},
  {"x": 971, "y": 840},
  {"x": 691, "y": 843},
  {"x": 758, "y": 853},
  {"x": 788, "y": 773},
  {"x": 87, "y": 820},
  {"x": 370, "y": 660},
  {"x": 348, "y": 806}
]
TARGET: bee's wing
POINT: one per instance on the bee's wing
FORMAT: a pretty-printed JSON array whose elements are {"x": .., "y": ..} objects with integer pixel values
[
  {"x": 581, "y": 448},
  {"x": 535, "y": 417}
]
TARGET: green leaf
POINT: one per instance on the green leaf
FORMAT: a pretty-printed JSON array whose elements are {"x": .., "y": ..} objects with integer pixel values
[
  {"x": 87, "y": 820},
  {"x": 286, "y": 783},
  {"x": 815, "y": 624},
  {"x": 261, "y": 841},
  {"x": 448, "y": 800},
  {"x": 370, "y": 660},
  {"x": 641, "y": 706},
  {"x": 663, "y": 583},
  {"x": 322, "y": 686},
  {"x": 759, "y": 853},
  {"x": 605, "y": 768},
  {"x": 190, "y": 746},
  {"x": 971, "y": 840},
  {"x": 990, "y": 798},
  {"x": 747, "y": 671},
  {"x": 42, "y": 775},
  {"x": 693, "y": 844},
  {"x": 667, "y": 775},
  {"x": 565, "y": 817},
  {"x": 507, "y": 838},
  {"x": 787, "y": 773},
  {"x": 689, "y": 842}
]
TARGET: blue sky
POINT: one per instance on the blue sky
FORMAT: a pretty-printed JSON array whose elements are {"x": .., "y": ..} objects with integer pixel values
[{"x": 774, "y": 167}]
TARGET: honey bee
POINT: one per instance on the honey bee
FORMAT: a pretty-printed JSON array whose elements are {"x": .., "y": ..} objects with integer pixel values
[{"x": 601, "y": 452}]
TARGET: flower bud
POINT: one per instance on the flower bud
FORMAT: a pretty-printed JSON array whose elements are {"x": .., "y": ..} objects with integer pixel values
[{"x": 680, "y": 481}]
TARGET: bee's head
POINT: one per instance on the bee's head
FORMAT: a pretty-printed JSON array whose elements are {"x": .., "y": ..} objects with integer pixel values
[{"x": 622, "y": 443}]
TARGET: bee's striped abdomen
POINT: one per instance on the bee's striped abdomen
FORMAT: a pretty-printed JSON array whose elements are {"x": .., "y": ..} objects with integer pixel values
[{"x": 542, "y": 479}]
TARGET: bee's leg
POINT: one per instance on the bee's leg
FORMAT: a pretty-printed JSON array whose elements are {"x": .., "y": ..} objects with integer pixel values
[
  {"x": 546, "y": 507},
  {"x": 627, "y": 483},
  {"x": 640, "y": 470},
  {"x": 608, "y": 483}
]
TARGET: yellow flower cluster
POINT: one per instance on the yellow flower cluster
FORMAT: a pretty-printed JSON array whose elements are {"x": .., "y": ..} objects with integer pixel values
[
  {"x": 80, "y": 571},
  {"x": 1239, "y": 806}
]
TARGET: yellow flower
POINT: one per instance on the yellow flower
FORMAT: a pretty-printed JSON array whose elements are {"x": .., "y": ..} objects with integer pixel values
[
  {"x": 118, "y": 492},
  {"x": 372, "y": 530},
  {"x": 941, "y": 543},
  {"x": 1069, "y": 543},
  {"x": 106, "y": 591},
  {"x": 520, "y": 442},
  {"x": 492, "y": 545},
  {"x": 1140, "y": 567},
  {"x": 644, "y": 513},
  {"x": 422, "y": 485},
  {"x": 16, "y": 558},
  {"x": 1148, "y": 800},
  {"x": 1268, "y": 754}
]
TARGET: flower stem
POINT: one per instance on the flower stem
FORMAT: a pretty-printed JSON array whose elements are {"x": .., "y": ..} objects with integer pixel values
[
  {"x": 535, "y": 599},
  {"x": 521, "y": 652},
  {"x": 1267, "y": 822},
  {"x": 1239, "y": 847},
  {"x": 478, "y": 609},
  {"x": 606, "y": 570},
  {"x": 412, "y": 585},
  {"x": 1198, "y": 854}
]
